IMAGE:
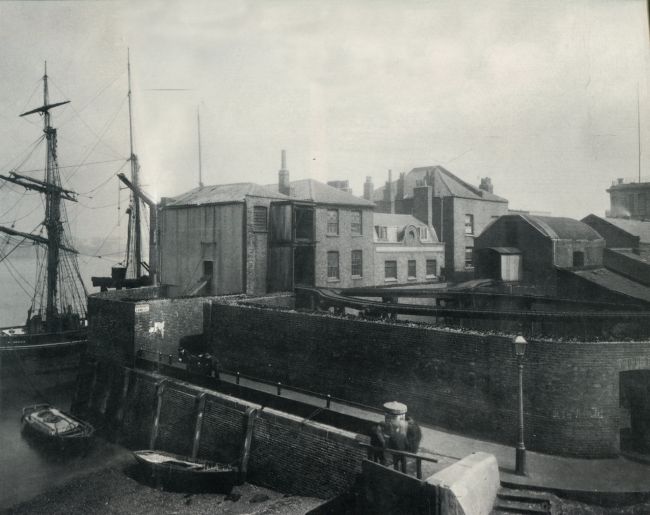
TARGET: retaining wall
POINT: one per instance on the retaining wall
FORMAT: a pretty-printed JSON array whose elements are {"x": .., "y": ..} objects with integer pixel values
[
  {"x": 288, "y": 453},
  {"x": 453, "y": 379}
]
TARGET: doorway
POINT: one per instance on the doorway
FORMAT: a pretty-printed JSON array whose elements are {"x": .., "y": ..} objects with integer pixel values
[
  {"x": 208, "y": 269},
  {"x": 303, "y": 266},
  {"x": 634, "y": 395}
]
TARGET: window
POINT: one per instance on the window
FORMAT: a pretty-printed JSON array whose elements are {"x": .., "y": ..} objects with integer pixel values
[
  {"x": 412, "y": 269},
  {"x": 390, "y": 270},
  {"x": 382, "y": 232},
  {"x": 355, "y": 224},
  {"x": 260, "y": 218},
  {"x": 432, "y": 267},
  {"x": 469, "y": 224},
  {"x": 469, "y": 252},
  {"x": 304, "y": 223},
  {"x": 357, "y": 263},
  {"x": 332, "y": 221},
  {"x": 333, "y": 265},
  {"x": 424, "y": 232}
]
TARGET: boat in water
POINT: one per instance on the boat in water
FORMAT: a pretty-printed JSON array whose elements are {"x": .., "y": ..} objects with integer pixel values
[
  {"x": 57, "y": 314},
  {"x": 184, "y": 474},
  {"x": 52, "y": 425}
]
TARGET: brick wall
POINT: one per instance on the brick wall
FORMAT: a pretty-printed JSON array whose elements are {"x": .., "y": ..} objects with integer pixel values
[
  {"x": 343, "y": 243},
  {"x": 288, "y": 453},
  {"x": 460, "y": 381}
]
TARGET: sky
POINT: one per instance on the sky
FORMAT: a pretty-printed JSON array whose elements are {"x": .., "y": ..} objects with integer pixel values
[{"x": 538, "y": 95}]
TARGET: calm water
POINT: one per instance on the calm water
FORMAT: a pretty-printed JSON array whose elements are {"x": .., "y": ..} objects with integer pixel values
[
  {"x": 14, "y": 302},
  {"x": 27, "y": 470}
]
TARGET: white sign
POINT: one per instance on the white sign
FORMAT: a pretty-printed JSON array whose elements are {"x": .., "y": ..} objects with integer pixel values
[{"x": 142, "y": 308}]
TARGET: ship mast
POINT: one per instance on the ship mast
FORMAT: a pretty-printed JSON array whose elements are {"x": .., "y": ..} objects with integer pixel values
[
  {"x": 135, "y": 202},
  {"x": 54, "y": 193}
]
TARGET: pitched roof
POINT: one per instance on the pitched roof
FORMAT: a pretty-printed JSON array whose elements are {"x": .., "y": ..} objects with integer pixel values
[
  {"x": 615, "y": 282},
  {"x": 634, "y": 227},
  {"x": 223, "y": 193},
  {"x": 394, "y": 220},
  {"x": 444, "y": 183},
  {"x": 560, "y": 228},
  {"x": 315, "y": 191}
]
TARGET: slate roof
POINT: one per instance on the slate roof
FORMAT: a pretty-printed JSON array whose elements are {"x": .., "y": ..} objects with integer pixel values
[
  {"x": 615, "y": 282},
  {"x": 634, "y": 227},
  {"x": 445, "y": 184},
  {"x": 223, "y": 193},
  {"x": 557, "y": 227},
  {"x": 395, "y": 220},
  {"x": 315, "y": 191}
]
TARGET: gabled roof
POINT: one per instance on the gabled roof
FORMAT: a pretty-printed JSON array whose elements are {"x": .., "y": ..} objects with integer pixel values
[
  {"x": 444, "y": 183},
  {"x": 560, "y": 228},
  {"x": 638, "y": 228},
  {"x": 395, "y": 220},
  {"x": 223, "y": 193},
  {"x": 319, "y": 193}
]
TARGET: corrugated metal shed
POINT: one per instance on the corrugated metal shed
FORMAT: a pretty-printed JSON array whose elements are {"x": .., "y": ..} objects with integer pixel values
[
  {"x": 615, "y": 282},
  {"x": 556, "y": 227}
]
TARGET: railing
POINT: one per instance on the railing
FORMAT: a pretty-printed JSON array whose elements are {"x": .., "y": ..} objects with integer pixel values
[{"x": 376, "y": 454}]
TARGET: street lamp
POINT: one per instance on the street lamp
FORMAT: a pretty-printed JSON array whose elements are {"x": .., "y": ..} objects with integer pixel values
[{"x": 520, "y": 458}]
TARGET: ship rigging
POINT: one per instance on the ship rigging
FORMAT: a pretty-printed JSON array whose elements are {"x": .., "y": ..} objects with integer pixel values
[{"x": 59, "y": 299}]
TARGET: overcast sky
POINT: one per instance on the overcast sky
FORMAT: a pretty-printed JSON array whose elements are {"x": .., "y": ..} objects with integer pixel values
[{"x": 541, "y": 96}]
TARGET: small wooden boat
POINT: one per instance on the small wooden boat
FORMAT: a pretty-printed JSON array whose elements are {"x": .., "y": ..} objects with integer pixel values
[
  {"x": 53, "y": 425},
  {"x": 184, "y": 474}
]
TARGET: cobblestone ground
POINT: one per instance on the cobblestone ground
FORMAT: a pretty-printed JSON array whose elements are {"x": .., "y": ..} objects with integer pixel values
[{"x": 111, "y": 491}]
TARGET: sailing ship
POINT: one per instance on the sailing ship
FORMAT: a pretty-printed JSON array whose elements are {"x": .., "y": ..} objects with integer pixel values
[{"x": 57, "y": 314}]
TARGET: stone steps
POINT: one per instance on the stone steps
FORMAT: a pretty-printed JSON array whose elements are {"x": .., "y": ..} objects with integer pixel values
[{"x": 521, "y": 501}]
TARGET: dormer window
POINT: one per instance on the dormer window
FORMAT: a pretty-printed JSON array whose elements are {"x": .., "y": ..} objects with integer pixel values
[
  {"x": 382, "y": 232},
  {"x": 424, "y": 232}
]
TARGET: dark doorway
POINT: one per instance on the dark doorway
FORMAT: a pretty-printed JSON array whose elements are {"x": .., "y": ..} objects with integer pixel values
[
  {"x": 578, "y": 259},
  {"x": 303, "y": 266},
  {"x": 635, "y": 411},
  {"x": 208, "y": 269}
]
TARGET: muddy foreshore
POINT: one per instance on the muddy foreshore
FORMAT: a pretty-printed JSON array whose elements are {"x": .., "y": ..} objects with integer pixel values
[{"x": 113, "y": 491}]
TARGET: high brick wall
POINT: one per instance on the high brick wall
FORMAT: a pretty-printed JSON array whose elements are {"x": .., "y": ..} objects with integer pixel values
[
  {"x": 288, "y": 453},
  {"x": 460, "y": 381}
]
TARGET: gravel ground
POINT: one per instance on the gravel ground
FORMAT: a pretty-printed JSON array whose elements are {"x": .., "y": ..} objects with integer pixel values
[{"x": 112, "y": 491}]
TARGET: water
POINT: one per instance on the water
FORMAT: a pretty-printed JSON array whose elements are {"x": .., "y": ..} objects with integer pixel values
[
  {"x": 14, "y": 301},
  {"x": 26, "y": 468}
]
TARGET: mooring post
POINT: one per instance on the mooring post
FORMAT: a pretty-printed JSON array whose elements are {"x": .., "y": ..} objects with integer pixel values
[
  {"x": 329, "y": 401},
  {"x": 198, "y": 426},
  {"x": 249, "y": 420},
  {"x": 279, "y": 388},
  {"x": 119, "y": 413},
  {"x": 93, "y": 384},
  {"x": 107, "y": 391},
  {"x": 160, "y": 389}
]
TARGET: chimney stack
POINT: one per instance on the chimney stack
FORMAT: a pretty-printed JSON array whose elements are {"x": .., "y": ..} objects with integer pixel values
[
  {"x": 368, "y": 189},
  {"x": 399, "y": 194},
  {"x": 283, "y": 176},
  {"x": 486, "y": 185}
]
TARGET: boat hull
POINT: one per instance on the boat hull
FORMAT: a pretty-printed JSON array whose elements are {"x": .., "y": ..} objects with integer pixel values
[
  {"x": 51, "y": 426},
  {"x": 175, "y": 475}
]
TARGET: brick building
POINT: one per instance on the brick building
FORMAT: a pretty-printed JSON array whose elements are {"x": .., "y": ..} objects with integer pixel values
[
  {"x": 214, "y": 240},
  {"x": 457, "y": 210},
  {"x": 629, "y": 200},
  {"x": 321, "y": 237},
  {"x": 406, "y": 250}
]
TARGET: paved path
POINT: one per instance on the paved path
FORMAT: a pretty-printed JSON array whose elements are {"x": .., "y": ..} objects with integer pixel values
[{"x": 598, "y": 476}]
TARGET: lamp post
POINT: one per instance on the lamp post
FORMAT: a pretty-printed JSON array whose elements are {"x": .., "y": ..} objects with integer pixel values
[{"x": 520, "y": 457}]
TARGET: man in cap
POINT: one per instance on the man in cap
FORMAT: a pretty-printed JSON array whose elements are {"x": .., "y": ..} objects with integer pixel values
[{"x": 397, "y": 431}]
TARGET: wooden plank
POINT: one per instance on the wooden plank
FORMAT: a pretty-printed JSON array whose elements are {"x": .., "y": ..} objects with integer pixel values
[
  {"x": 198, "y": 427},
  {"x": 250, "y": 416},
  {"x": 160, "y": 389}
]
